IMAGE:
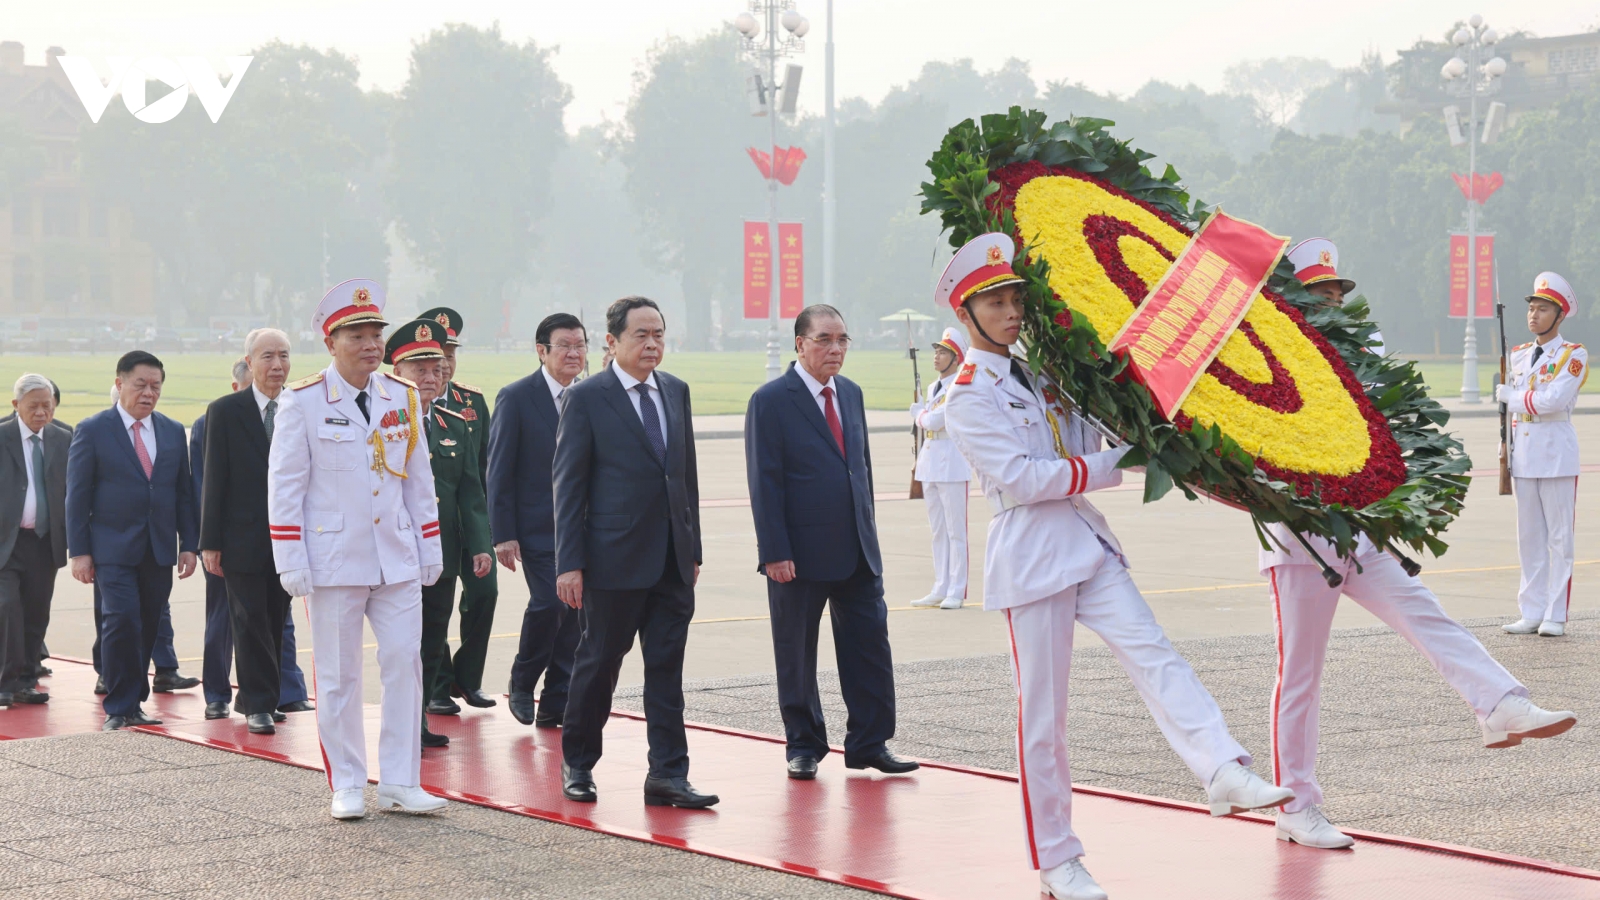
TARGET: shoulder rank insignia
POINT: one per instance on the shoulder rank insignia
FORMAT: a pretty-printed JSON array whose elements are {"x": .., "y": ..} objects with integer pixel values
[
  {"x": 1522, "y": 346},
  {"x": 304, "y": 383},
  {"x": 469, "y": 388},
  {"x": 449, "y": 412},
  {"x": 409, "y": 384},
  {"x": 1575, "y": 345},
  {"x": 965, "y": 376}
]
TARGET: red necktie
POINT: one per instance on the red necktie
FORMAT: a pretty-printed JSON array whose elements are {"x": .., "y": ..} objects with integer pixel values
[
  {"x": 141, "y": 451},
  {"x": 832, "y": 415}
]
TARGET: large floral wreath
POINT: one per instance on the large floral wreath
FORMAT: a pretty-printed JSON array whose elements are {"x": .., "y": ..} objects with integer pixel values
[{"x": 1296, "y": 420}]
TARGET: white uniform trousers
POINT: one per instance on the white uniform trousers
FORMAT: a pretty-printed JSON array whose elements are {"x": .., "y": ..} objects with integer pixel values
[
  {"x": 1302, "y": 608},
  {"x": 395, "y": 611},
  {"x": 1546, "y": 515},
  {"x": 1110, "y": 605},
  {"x": 947, "y": 517}
]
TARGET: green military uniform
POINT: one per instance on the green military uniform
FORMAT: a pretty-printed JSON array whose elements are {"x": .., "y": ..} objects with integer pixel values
[{"x": 478, "y": 595}]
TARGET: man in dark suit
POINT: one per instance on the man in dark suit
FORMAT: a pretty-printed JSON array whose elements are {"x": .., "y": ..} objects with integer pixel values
[
  {"x": 33, "y": 533},
  {"x": 131, "y": 516},
  {"x": 522, "y": 447},
  {"x": 627, "y": 505},
  {"x": 235, "y": 545},
  {"x": 810, "y": 472},
  {"x": 41, "y": 670}
]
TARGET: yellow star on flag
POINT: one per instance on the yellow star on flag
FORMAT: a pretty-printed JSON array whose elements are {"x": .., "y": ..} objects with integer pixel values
[
  {"x": 757, "y": 239},
  {"x": 792, "y": 240}
]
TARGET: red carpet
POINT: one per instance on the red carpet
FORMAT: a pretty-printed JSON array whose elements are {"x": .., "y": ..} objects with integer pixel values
[{"x": 944, "y": 832}]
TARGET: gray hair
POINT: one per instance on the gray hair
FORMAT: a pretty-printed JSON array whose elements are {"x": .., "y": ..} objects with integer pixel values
[
  {"x": 241, "y": 372},
  {"x": 31, "y": 381},
  {"x": 251, "y": 339}
]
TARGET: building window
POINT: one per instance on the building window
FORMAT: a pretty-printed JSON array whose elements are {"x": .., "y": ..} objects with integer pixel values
[
  {"x": 1573, "y": 59},
  {"x": 60, "y": 215}
]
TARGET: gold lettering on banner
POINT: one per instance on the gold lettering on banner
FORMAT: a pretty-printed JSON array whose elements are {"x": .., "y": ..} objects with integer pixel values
[{"x": 1191, "y": 296}]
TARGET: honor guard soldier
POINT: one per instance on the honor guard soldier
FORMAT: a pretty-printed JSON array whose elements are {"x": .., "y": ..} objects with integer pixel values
[
  {"x": 415, "y": 353},
  {"x": 1316, "y": 264},
  {"x": 944, "y": 477},
  {"x": 1546, "y": 374},
  {"x": 463, "y": 676},
  {"x": 355, "y": 529},
  {"x": 1303, "y": 606},
  {"x": 1052, "y": 561}
]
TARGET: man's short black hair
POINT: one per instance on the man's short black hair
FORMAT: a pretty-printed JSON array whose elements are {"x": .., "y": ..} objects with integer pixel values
[
  {"x": 55, "y": 389},
  {"x": 802, "y": 322},
  {"x": 557, "y": 322},
  {"x": 617, "y": 315},
  {"x": 135, "y": 358}
]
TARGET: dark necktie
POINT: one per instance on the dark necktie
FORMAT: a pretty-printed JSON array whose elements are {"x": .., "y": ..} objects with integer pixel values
[
  {"x": 652, "y": 422},
  {"x": 832, "y": 415},
  {"x": 427, "y": 428},
  {"x": 268, "y": 419},
  {"x": 1537, "y": 352},
  {"x": 937, "y": 387},
  {"x": 1021, "y": 374},
  {"x": 41, "y": 500},
  {"x": 361, "y": 403}
]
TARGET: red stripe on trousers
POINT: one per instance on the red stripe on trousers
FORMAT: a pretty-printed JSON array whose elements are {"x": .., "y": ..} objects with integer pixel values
[
  {"x": 1022, "y": 763},
  {"x": 1277, "y": 687}
]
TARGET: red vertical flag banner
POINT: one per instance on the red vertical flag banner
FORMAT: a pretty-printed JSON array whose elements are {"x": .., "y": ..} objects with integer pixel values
[
  {"x": 791, "y": 270},
  {"x": 1458, "y": 276},
  {"x": 757, "y": 271}
]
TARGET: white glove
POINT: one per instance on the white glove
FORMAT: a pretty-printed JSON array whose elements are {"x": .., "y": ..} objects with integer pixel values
[
  {"x": 916, "y": 409},
  {"x": 297, "y": 582},
  {"x": 430, "y": 574},
  {"x": 1502, "y": 393}
]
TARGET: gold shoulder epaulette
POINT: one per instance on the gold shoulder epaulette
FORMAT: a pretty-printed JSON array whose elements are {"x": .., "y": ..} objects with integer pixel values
[
  {"x": 304, "y": 383},
  {"x": 449, "y": 412},
  {"x": 1576, "y": 346},
  {"x": 409, "y": 384},
  {"x": 1522, "y": 346},
  {"x": 469, "y": 388}
]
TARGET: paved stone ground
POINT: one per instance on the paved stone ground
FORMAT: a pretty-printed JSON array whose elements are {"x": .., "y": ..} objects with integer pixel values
[{"x": 1401, "y": 752}]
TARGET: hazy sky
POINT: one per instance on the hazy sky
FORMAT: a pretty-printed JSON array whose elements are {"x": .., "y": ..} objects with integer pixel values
[{"x": 878, "y": 43}]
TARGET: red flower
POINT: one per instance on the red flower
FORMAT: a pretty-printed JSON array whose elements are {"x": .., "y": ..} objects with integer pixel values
[{"x": 1064, "y": 319}]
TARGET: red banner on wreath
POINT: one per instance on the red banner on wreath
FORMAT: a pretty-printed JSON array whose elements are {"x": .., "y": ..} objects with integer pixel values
[
  {"x": 791, "y": 270},
  {"x": 1458, "y": 277},
  {"x": 757, "y": 271},
  {"x": 1184, "y": 319}
]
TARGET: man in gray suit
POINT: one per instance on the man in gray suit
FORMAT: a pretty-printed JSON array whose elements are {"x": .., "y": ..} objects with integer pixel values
[
  {"x": 33, "y": 533},
  {"x": 627, "y": 509}
]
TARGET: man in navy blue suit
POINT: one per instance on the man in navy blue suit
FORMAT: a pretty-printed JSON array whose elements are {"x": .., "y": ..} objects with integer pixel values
[
  {"x": 131, "y": 516},
  {"x": 810, "y": 472},
  {"x": 522, "y": 448}
]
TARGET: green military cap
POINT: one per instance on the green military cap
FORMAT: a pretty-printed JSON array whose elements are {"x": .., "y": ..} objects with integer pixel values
[
  {"x": 417, "y": 339},
  {"x": 450, "y": 319}
]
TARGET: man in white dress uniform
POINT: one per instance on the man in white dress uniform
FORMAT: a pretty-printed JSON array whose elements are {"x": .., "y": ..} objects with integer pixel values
[
  {"x": 944, "y": 478},
  {"x": 355, "y": 528}
]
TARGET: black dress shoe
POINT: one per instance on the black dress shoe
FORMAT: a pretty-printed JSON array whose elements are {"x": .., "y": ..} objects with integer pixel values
[
  {"x": 577, "y": 784},
  {"x": 167, "y": 682},
  {"x": 278, "y": 716},
  {"x": 30, "y": 695},
  {"x": 42, "y": 671},
  {"x": 444, "y": 708},
  {"x": 548, "y": 720},
  {"x": 297, "y": 706},
  {"x": 217, "y": 710},
  {"x": 521, "y": 704},
  {"x": 260, "y": 723},
  {"x": 803, "y": 768},
  {"x": 431, "y": 740},
  {"x": 6, "y": 699},
  {"x": 675, "y": 792},
  {"x": 139, "y": 718},
  {"x": 475, "y": 697},
  {"x": 885, "y": 762},
  {"x": 114, "y": 723},
  {"x": 100, "y": 685}
]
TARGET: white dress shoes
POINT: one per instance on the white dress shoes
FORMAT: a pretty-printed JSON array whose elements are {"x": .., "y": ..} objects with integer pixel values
[
  {"x": 1520, "y": 626},
  {"x": 1235, "y": 789},
  {"x": 1070, "y": 881},
  {"x": 409, "y": 799},
  {"x": 349, "y": 803},
  {"x": 928, "y": 601},
  {"x": 1310, "y": 828},
  {"x": 952, "y": 603},
  {"x": 1552, "y": 629},
  {"x": 1516, "y": 719}
]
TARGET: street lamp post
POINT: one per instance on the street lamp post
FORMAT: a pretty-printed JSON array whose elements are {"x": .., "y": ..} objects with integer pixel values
[
  {"x": 1468, "y": 77},
  {"x": 768, "y": 15}
]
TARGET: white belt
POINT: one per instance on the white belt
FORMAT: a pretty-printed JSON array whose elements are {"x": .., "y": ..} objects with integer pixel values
[
  {"x": 935, "y": 436},
  {"x": 1562, "y": 416},
  {"x": 999, "y": 502}
]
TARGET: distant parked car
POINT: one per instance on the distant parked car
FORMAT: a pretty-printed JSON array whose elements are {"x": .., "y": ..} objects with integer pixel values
[{"x": 162, "y": 339}]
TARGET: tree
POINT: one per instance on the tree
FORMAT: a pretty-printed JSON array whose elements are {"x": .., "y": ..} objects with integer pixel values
[
  {"x": 476, "y": 130},
  {"x": 1279, "y": 85}
]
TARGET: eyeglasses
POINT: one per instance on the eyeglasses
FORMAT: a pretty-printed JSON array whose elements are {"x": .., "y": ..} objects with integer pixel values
[
  {"x": 566, "y": 348},
  {"x": 828, "y": 343}
]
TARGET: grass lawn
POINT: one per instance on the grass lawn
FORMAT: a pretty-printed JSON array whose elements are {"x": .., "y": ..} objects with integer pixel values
[
  {"x": 721, "y": 382},
  {"x": 1444, "y": 378}
]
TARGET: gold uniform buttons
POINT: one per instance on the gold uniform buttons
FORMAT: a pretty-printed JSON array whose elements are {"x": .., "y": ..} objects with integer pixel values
[{"x": 377, "y": 520}]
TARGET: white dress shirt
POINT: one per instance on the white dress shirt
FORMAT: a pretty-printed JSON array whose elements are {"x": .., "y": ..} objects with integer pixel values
[
  {"x": 30, "y": 503},
  {"x": 263, "y": 399},
  {"x": 147, "y": 435},
  {"x": 815, "y": 387},
  {"x": 628, "y": 384},
  {"x": 557, "y": 388}
]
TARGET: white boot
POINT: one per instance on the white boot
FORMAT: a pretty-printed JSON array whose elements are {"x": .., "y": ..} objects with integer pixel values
[
  {"x": 1235, "y": 789},
  {"x": 1070, "y": 881},
  {"x": 930, "y": 600},
  {"x": 1552, "y": 629},
  {"x": 1520, "y": 626},
  {"x": 1516, "y": 719},
  {"x": 1310, "y": 828},
  {"x": 409, "y": 799},
  {"x": 952, "y": 603},
  {"x": 349, "y": 803}
]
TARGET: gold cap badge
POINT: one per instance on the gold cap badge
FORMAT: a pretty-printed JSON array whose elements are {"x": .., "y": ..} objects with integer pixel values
[{"x": 996, "y": 256}]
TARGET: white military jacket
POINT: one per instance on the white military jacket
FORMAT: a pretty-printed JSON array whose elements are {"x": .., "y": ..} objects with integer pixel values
[
  {"x": 1290, "y": 553},
  {"x": 352, "y": 501},
  {"x": 938, "y": 460},
  {"x": 1035, "y": 462},
  {"x": 1543, "y": 442}
]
